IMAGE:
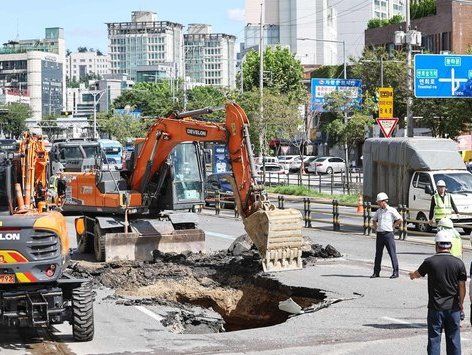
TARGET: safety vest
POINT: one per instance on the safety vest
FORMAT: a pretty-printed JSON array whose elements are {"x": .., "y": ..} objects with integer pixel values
[
  {"x": 442, "y": 208},
  {"x": 456, "y": 249}
]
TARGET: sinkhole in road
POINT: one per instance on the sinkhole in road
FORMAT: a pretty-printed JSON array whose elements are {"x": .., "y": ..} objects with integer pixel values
[
  {"x": 215, "y": 292},
  {"x": 241, "y": 303}
]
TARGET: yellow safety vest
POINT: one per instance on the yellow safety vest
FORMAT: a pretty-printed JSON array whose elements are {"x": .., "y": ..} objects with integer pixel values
[
  {"x": 456, "y": 249},
  {"x": 442, "y": 208}
]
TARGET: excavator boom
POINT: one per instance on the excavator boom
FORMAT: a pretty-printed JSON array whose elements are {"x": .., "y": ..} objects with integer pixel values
[{"x": 276, "y": 233}]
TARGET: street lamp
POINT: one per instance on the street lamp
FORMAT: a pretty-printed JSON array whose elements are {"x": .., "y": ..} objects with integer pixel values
[
  {"x": 96, "y": 93},
  {"x": 346, "y": 151}
]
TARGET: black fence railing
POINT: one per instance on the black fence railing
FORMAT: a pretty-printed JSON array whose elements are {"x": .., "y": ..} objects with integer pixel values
[{"x": 332, "y": 183}]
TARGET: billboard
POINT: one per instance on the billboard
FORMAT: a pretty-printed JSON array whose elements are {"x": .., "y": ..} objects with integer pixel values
[{"x": 322, "y": 87}]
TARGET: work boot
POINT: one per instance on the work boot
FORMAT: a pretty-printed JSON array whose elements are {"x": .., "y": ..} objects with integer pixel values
[
  {"x": 394, "y": 275},
  {"x": 374, "y": 275}
]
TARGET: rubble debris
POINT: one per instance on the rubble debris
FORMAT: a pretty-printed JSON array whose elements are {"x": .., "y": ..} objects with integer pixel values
[
  {"x": 290, "y": 306},
  {"x": 241, "y": 245},
  {"x": 227, "y": 282},
  {"x": 193, "y": 322}
]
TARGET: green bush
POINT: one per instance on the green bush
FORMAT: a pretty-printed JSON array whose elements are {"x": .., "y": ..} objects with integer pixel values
[
  {"x": 376, "y": 22},
  {"x": 422, "y": 8},
  {"x": 306, "y": 192}
]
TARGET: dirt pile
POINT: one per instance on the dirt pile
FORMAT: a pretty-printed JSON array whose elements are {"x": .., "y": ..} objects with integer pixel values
[{"x": 231, "y": 285}]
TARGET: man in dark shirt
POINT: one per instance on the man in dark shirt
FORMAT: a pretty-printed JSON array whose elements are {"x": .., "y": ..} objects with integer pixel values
[{"x": 446, "y": 292}]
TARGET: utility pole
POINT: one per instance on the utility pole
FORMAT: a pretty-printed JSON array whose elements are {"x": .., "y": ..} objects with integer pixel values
[
  {"x": 261, "y": 85},
  {"x": 346, "y": 148},
  {"x": 409, "y": 76},
  {"x": 381, "y": 72},
  {"x": 95, "y": 101}
]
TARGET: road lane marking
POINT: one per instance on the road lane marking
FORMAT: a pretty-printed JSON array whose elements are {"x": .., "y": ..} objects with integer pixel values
[
  {"x": 221, "y": 235},
  {"x": 399, "y": 321},
  {"x": 149, "y": 313}
]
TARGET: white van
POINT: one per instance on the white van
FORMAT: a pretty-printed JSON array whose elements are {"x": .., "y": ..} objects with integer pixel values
[{"x": 423, "y": 186}]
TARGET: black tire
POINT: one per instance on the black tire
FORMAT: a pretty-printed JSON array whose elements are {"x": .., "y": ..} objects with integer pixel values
[
  {"x": 422, "y": 227},
  {"x": 84, "y": 244},
  {"x": 98, "y": 243},
  {"x": 329, "y": 170},
  {"x": 82, "y": 313}
]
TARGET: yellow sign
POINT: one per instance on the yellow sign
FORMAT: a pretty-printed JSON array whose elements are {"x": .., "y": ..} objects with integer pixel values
[{"x": 385, "y": 102}]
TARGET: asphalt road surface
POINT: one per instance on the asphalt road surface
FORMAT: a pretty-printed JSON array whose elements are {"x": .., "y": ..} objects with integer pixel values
[{"x": 376, "y": 316}]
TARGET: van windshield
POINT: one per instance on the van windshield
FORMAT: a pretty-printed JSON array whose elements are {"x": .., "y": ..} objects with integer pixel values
[{"x": 456, "y": 182}]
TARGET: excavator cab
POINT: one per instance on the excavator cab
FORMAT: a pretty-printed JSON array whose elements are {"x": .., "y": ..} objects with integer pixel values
[{"x": 183, "y": 183}]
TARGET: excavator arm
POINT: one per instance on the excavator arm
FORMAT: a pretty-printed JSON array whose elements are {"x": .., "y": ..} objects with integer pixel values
[
  {"x": 276, "y": 233},
  {"x": 34, "y": 160}
]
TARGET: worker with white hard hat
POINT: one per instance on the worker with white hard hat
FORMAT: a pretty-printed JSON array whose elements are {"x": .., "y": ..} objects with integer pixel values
[
  {"x": 385, "y": 219},
  {"x": 442, "y": 204},
  {"x": 446, "y": 293},
  {"x": 445, "y": 224}
]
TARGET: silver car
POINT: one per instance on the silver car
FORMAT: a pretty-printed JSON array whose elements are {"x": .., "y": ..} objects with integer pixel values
[{"x": 327, "y": 165}]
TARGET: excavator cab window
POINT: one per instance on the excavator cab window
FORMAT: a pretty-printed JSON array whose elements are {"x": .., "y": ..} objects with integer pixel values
[{"x": 188, "y": 180}]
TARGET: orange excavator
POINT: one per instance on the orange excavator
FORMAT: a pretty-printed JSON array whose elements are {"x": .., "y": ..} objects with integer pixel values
[
  {"x": 34, "y": 249},
  {"x": 122, "y": 218}
]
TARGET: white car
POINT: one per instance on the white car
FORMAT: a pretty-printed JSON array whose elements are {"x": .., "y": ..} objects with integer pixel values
[
  {"x": 296, "y": 164},
  {"x": 267, "y": 160},
  {"x": 327, "y": 165},
  {"x": 270, "y": 168},
  {"x": 287, "y": 160}
]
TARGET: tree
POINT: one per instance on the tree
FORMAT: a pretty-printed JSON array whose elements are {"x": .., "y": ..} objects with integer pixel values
[
  {"x": 282, "y": 118},
  {"x": 368, "y": 69},
  {"x": 82, "y": 49},
  {"x": 206, "y": 96},
  {"x": 445, "y": 117},
  {"x": 153, "y": 99},
  {"x": 351, "y": 133},
  {"x": 13, "y": 121},
  {"x": 99, "y": 52},
  {"x": 122, "y": 127},
  {"x": 282, "y": 72}
]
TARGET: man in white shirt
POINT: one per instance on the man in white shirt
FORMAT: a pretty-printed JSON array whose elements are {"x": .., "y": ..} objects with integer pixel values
[{"x": 385, "y": 219}]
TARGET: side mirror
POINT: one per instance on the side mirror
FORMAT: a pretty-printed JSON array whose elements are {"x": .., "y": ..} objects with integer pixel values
[{"x": 428, "y": 189}]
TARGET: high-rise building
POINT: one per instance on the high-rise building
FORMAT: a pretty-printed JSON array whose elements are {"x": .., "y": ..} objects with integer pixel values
[
  {"x": 307, "y": 26},
  {"x": 82, "y": 64},
  {"x": 145, "y": 42},
  {"x": 301, "y": 25},
  {"x": 33, "y": 71},
  {"x": 353, "y": 17},
  {"x": 209, "y": 57}
]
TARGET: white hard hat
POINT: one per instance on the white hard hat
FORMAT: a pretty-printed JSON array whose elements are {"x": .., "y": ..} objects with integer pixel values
[
  {"x": 441, "y": 183},
  {"x": 382, "y": 196},
  {"x": 443, "y": 236},
  {"x": 445, "y": 223}
]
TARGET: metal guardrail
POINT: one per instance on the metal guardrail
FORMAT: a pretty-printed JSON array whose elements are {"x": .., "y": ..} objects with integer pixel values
[
  {"x": 366, "y": 215},
  {"x": 320, "y": 182},
  {"x": 336, "y": 216}
]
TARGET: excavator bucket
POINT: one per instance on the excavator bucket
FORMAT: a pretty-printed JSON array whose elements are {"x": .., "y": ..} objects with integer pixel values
[
  {"x": 136, "y": 247},
  {"x": 277, "y": 235},
  {"x": 145, "y": 236}
]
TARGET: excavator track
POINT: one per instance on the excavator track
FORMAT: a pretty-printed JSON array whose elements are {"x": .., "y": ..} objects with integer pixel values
[{"x": 277, "y": 235}]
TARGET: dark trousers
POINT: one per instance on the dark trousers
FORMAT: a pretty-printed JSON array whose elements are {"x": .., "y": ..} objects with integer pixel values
[
  {"x": 451, "y": 322},
  {"x": 385, "y": 239}
]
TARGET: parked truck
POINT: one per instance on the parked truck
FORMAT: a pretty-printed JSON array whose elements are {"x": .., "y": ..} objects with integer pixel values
[{"x": 408, "y": 169}]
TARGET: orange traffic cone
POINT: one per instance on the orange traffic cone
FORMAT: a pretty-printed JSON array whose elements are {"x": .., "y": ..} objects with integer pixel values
[{"x": 360, "y": 204}]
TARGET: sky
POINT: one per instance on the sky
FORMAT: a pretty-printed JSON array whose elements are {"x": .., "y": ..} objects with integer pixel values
[{"x": 84, "y": 20}]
